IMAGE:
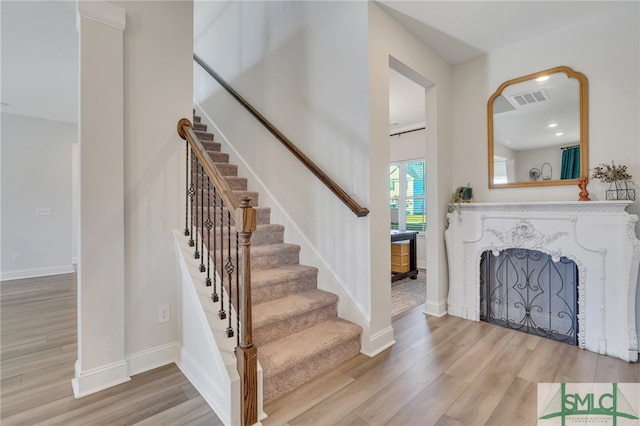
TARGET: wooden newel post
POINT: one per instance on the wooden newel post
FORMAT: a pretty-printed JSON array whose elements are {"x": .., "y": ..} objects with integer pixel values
[{"x": 246, "y": 353}]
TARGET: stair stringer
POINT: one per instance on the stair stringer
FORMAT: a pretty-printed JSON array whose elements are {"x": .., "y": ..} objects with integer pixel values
[
  {"x": 205, "y": 354},
  {"x": 372, "y": 341}
]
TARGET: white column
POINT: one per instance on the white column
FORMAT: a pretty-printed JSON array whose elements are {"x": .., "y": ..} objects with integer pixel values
[{"x": 101, "y": 311}]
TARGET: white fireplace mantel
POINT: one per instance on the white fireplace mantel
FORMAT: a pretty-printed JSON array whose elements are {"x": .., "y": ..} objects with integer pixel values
[{"x": 599, "y": 236}]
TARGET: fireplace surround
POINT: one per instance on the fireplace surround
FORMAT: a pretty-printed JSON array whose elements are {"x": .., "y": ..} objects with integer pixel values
[{"x": 599, "y": 236}]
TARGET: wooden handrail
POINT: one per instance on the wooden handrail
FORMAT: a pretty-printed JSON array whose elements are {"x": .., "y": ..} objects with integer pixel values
[{"x": 355, "y": 207}]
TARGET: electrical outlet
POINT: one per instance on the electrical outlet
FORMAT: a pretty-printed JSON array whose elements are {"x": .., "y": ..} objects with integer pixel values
[
  {"x": 164, "y": 313},
  {"x": 16, "y": 257}
]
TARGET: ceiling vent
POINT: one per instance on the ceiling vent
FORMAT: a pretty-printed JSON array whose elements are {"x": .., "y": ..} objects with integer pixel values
[{"x": 526, "y": 98}]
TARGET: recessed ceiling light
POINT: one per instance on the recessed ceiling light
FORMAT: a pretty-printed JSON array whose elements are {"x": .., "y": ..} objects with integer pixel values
[
  {"x": 559, "y": 133},
  {"x": 553, "y": 125},
  {"x": 543, "y": 78}
]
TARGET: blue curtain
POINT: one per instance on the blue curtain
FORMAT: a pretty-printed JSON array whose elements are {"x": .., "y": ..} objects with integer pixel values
[{"x": 570, "y": 163}]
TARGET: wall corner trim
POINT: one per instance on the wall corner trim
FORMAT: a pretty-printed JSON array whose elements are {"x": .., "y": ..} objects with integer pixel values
[
  {"x": 103, "y": 12},
  {"x": 94, "y": 380}
]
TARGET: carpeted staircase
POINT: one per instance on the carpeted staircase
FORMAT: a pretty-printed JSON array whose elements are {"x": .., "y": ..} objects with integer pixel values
[{"x": 295, "y": 324}]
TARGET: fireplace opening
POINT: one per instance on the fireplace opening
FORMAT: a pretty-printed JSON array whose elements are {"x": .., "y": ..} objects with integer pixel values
[{"x": 526, "y": 290}]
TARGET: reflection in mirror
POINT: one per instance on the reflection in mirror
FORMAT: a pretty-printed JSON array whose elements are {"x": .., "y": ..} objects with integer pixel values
[{"x": 538, "y": 130}]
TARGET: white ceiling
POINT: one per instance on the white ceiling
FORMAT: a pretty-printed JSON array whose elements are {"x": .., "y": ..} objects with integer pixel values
[
  {"x": 462, "y": 30},
  {"x": 39, "y": 61}
]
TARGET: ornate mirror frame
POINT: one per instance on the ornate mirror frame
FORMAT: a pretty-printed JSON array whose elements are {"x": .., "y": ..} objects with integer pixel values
[{"x": 584, "y": 129}]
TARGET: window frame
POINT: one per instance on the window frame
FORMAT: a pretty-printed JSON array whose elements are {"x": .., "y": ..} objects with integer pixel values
[{"x": 402, "y": 191}]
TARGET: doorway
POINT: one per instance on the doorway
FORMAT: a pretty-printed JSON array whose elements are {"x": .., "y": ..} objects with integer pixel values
[{"x": 407, "y": 186}]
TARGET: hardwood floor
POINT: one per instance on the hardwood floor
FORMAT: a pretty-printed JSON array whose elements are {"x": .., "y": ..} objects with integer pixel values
[{"x": 441, "y": 371}]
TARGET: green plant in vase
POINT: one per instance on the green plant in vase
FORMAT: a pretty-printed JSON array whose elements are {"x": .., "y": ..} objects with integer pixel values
[
  {"x": 462, "y": 194},
  {"x": 619, "y": 180}
]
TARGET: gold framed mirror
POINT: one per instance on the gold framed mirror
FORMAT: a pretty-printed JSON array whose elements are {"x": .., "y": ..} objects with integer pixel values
[{"x": 538, "y": 130}]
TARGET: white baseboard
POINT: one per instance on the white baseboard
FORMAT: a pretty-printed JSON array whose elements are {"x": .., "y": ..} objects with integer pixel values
[
  {"x": 378, "y": 342},
  {"x": 437, "y": 309},
  {"x": 152, "y": 358},
  {"x": 91, "y": 381},
  {"x": 37, "y": 272}
]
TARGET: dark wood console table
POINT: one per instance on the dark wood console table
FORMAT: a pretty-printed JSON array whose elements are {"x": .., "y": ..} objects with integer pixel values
[{"x": 413, "y": 266}]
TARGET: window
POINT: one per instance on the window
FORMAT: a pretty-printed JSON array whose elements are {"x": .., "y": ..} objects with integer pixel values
[
  {"x": 407, "y": 188},
  {"x": 499, "y": 170}
]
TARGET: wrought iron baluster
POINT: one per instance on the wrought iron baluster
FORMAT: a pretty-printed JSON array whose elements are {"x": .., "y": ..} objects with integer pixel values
[
  {"x": 201, "y": 190},
  {"x": 229, "y": 268},
  {"x": 186, "y": 189},
  {"x": 208, "y": 224},
  {"x": 214, "y": 296},
  {"x": 196, "y": 253},
  {"x": 221, "y": 313},
  {"x": 238, "y": 304},
  {"x": 192, "y": 193}
]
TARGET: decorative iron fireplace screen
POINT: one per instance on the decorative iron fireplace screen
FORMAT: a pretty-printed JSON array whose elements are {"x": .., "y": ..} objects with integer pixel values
[{"x": 526, "y": 290}]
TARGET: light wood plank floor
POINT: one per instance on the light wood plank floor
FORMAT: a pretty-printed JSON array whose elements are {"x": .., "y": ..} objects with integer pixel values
[{"x": 441, "y": 371}]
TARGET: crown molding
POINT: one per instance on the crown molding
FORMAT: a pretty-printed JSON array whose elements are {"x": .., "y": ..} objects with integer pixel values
[{"x": 103, "y": 12}]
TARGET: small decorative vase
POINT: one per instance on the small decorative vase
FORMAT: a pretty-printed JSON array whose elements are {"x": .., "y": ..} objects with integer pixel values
[
  {"x": 619, "y": 190},
  {"x": 467, "y": 194}
]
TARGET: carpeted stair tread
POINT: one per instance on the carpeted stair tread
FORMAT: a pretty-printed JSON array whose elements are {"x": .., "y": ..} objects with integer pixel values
[
  {"x": 271, "y": 284},
  {"x": 237, "y": 183},
  {"x": 218, "y": 157},
  {"x": 203, "y": 136},
  {"x": 274, "y": 256},
  {"x": 197, "y": 119},
  {"x": 211, "y": 146},
  {"x": 227, "y": 169},
  {"x": 265, "y": 234},
  {"x": 201, "y": 127},
  {"x": 288, "y": 315},
  {"x": 282, "y": 354}
]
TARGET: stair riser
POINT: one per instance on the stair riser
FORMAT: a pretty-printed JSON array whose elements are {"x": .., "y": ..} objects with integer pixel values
[
  {"x": 218, "y": 157},
  {"x": 227, "y": 169},
  {"x": 287, "y": 256},
  {"x": 279, "y": 384},
  {"x": 202, "y": 195},
  {"x": 204, "y": 136},
  {"x": 288, "y": 326},
  {"x": 258, "y": 238},
  {"x": 211, "y": 146},
  {"x": 283, "y": 288},
  {"x": 197, "y": 119},
  {"x": 200, "y": 127},
  {"x": 261, "y": 262},
  {"x": 235, "y": 183}
]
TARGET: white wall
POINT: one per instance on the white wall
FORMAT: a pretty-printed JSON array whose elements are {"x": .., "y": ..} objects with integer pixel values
[
  {"x": 535, "y": 158},
  {"x": 141, "y": 91},
  {"x": 36, "y": 173},
  {"x": 606, "y": 49},
  {"x": 409, "y": 146},
  {"x": 391, "y": 43},
  {"x": 158, "y": 46}
]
